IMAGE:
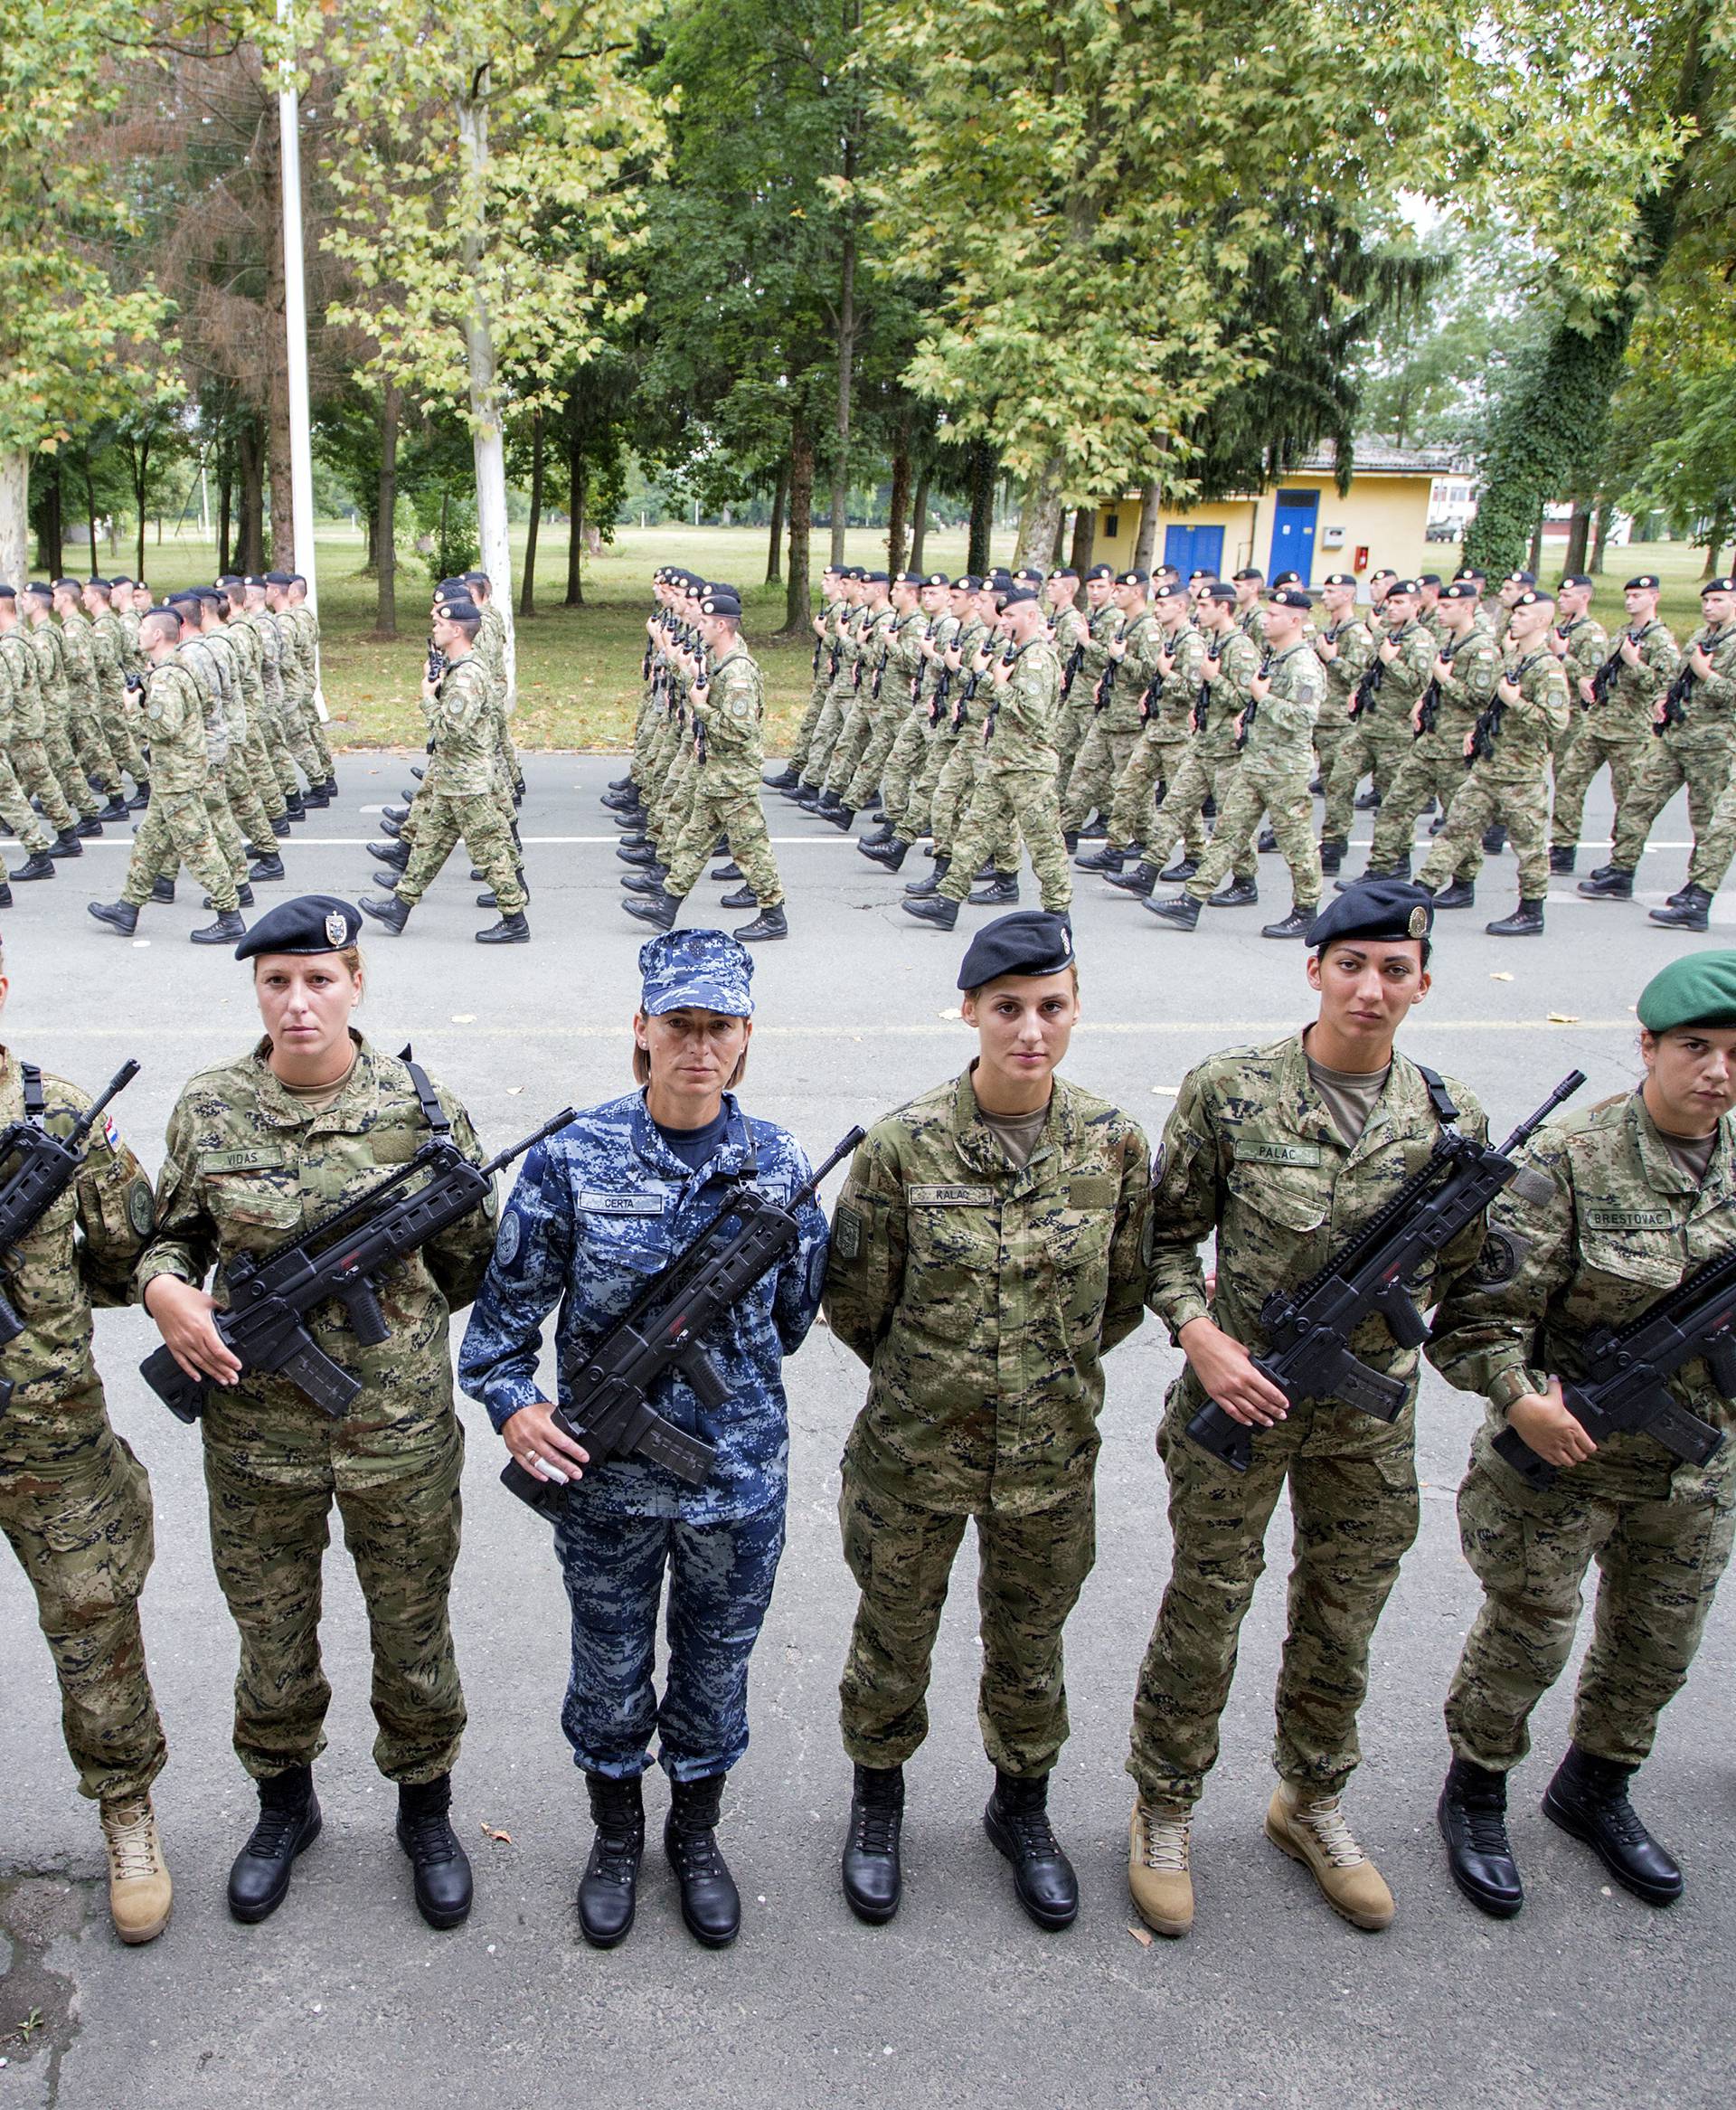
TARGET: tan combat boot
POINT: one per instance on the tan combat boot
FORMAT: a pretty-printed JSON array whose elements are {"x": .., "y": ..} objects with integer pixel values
[
  {"x": 139, "y": 1891},
  {"x": 1311, "y": 1829},
  {"x": 1157, "y": 1875}
]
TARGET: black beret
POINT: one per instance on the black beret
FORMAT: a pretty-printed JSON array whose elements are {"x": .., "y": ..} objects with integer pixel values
[
  {"x": 232, "y": 579},
  {"x": 1427, "y": 578},
  {"x": 298, "y": 578},
  {"x": 720, "y": 601},
  {"x": 459, "y": 612},
  {"x": 254, "y": 578},
  {"x": 1133, "y": 577},
  {"x": 1029, "y": 941},
  {"x": 1218, "y": 590},
  {"x": 208, "y": 594},
  {"x": 311, "y": 922},
  {"x": 852, "y": 572},
  {"x": 1200, "y": 571},
  {"x": 1535, "y": 597},
  {"x": 1100, "y": 571},
  {"x": 118, "y": 580},
  {"x": 1385, "y": 571},
  {"x": 1002, "y": 577},
  {"x": 936, "y": 579},
  {"x": 1029, "y": 575},
  {"x": 968, "y": 582},
  {"x": 1575, "y": 578},
  {"x": 1286, "y": 578},
  {"x": 907, "y": 579},
  {"x": 1645, "y": 582},
  {"x": 276, "y": 578},
  {"x": 8, "y": 593},
  {"x": 1718, "y": 586},
  {"x": 478, "y": 578},
  {"x": 1460, "y": 590},
  {"x": 1402, "y": 587},
  {"x": 1471, "y": 572},
  {"x": 1292, "y": 596},
  {"x": 1389, "y": 909},
  {"x": 1248, "y": 572},
  {"x": 1339, "y": 579},
  {"x": 1169, "y": 594},
  {"x": 40, "y": 591},
  {"x": 1520, "y": 579},
  {"x": 1016, "y": 596},
  {"x": 458, "y": 590},
  {"x": 66, "y": 586},
  {"x": 876, "y": 578},
  {"x": 101, "y": 584},
  {"x": 1064, "y": 571}
]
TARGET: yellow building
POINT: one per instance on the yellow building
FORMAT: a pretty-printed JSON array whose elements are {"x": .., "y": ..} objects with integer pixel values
[{"x": 1298, "y": 525}]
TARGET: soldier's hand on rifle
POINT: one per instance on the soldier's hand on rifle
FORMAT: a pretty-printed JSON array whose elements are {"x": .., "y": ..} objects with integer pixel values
[
  {"x": 184, "y": 1317},
  {"x": 1630, "y": 652},
  {"x": 1586, "y": 697},
  {"x": 1416, "y": 717},
  {"x": 1541, "y": 1421},
  {"x": 1658, "y": 710},
  {"x": 1165, "y": 664},
  {"x": 1118, "y": 647},
  {"x": 1389, "y": 651},
  {"x": 1470, "y": 744},
  {"x": 1443, "y": 669},
  {"x": 699, "y": 691},
  {"x": 1699, "y": 662},
  {"x": 430, "y": 688},
  {"x": 1242, "y": 727},
  {"x": 1227, "y": 1371},
  {"x": 1509, "y": 691},
  {"x": 952, "y": 658},
  {"x": 543, "y": 1450},
  {"x": 1002, "y": 673},
  {"x": 1328, "y": 648},
  {"x": 979, "y": 665},
  {"x": 1260, "y": 688}
]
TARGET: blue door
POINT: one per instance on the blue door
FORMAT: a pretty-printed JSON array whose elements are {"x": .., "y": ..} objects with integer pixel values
[
  {"x": 1293, "y": 534},
  {"x": 1193, "y": 549}
]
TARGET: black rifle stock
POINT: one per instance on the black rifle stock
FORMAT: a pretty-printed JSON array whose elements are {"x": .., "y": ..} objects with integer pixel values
[
  {"x": 1309, "y": 1329},
  {"x": 42, "y": 1168},
  {"x": 1675, "y": 701},
  {"x": 608, "y": 1410},
  {"x": 1631, "y": 1364},
  {"x": 343, "y": 1258}
]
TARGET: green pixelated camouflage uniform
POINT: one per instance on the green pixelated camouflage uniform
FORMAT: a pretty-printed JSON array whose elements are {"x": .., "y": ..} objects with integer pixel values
[
  {"x": 249, "y": 1166},
  {"x": 907, "y": 763},
  {"x": 1714, "y": 700},
  {"x": 1377, "y": 742},
  {"x": 75, "y": 1504},
  {"x": 1212, "y": 760},
  {"x": 1621, "y": 1226},
  {"x": 1435, "y": 766},
  {"x": 1069, "y": 628},
  {"x": 1509, "y": 785},
  {"x": 1354, "y": 640},
  {"x": 71, "y": 789},
  {"x": 176, "y": 829},
  {"x": 112, "y": 659},
  {"x": 84, "y": 722},
  {"x": 983, "y": 1298},
  {"x": 1116, "y": 727},
  {"x": 1251, "y": 1154},
  {"x": 1162, "y": 749},
  {"x": 1276, "y": 759},
  {"x": 18, "y": 671},
  {"x": 1015, "y": 788},
  {"x": 726, "y": 781},
  {"x": 899, "y": 664},
  {"x": 460, "y": 794}
]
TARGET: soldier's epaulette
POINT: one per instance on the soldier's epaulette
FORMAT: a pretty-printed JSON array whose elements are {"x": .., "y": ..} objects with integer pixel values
[{"x": 1576, "y": 1120}]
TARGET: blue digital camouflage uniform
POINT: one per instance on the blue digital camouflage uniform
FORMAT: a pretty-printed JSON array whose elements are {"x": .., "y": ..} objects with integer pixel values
[{"x": 598, "y": 1209}]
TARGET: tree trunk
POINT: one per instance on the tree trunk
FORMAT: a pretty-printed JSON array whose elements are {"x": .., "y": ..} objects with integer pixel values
[
  {"x": 575, "y": 435},
  {"x": 527, "y": 593},
  {"x": 1578, "y": 534},
  {"x": 249, "y": 539},
  {"x": 846, "y": 369},
  {"x": 920, "y": 517},
  {"x": 385, "y": 514},
  {"x": 91, "y": 513},
  {"x": 280, "y": 460},
  {"x": 797, "y": 603},
  {"x": 1717, "y": 535},
  {"x": 775, "y": 544},
  {"x": 487, "y": 445},
  {"x": 898, "y": 506},
  {"x": 1144, "y": 543},
  {"x": 225, "y": 500},
  {"x": 1084, "y": 537},
  {"x": 984, "y": 471},
  {"x": 15, "y": 512},
  {"x": 1038, "y": 515},
  {"x": 1534, "y": 556},
  {"x": 141, "y": 477},
  {"x": 51, "y": 538},
  {"x": 1599, "y": 538}
]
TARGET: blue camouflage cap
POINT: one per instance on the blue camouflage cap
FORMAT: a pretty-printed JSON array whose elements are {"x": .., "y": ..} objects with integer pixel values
[{"x": 708, "y": 971}]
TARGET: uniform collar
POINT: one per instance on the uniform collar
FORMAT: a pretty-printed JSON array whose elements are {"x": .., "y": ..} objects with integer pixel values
[
  {"x": 731, "y": 1158},
  {"x": 1661, "y": 1170},
  {"x": 1313, "y": 1117},
  {"x": 978, "y": 1145},
  {"x": 359, "y": 1098}
]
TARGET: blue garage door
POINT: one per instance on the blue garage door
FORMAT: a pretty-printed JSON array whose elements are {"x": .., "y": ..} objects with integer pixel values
[
  {"x": 1193, "y": 549},
  {"x": 1293, "y": 534}
]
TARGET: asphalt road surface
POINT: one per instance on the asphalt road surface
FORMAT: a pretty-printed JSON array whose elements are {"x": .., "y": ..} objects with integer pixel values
[{"x": 1590, "y": 1996}]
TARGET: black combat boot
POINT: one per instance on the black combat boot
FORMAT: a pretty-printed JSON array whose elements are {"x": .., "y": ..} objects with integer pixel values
[
  {"x": 880, "y": 835},
  {"x": 88, "y": 827},
  {"x": 270, "y": 867},
  {"x": 1460, "y": 894},
  {"x": 386, "y": 909},
  {"x": 1180, "y": 872},
  {"x": 141, "y": 796},
  {"x": 1069, "y": 839},
  {"x": 1294, "y": 925},
  {"x": 842, "y": 816},
  {"x": 1002, "y": 891},
  {"x": 708, "y": 1903},
  {"x": 615, "y": 783},
  {"x": 316, "y": 796},
  {"x": 279, "y": 824},
  {"x": 1332, "y": 854},
  {"x": 387, "y": 826},
  {"x": 635, "y": 853},
  {"x": 649, "y": 881},
  {"x": 1472, "y": 1813},
  {"x": 418, "y": 772},
  {"x": 922, "y": 889},
  {"x": 805, "y": 795},
  {"x": 785, "y": 779},
  {"x": 829, "y": 802},
  {"x": 608, "y": 1889},
  {"x": 294, "y": 806},
  {"x": 39, "y": 865},
  {"x": 512, "y": 929},
  {"x": 892, "y": 853},
  {"x": 1234, "y": 894},
  {"x": 1563, "y": 857},
  {"x": 1268, "y": 842},
  {"x": 1180, "y": 909},
  {"x": 1589, "y": 1798},
  {"x": 66, "y": 845},
  {"x": 119, "y": 915},
  {"x": 396, "y": 855},
  {"x": 625, "y": 802},
  {"x": 873, "y": 1878},
  {"x": 1692, "y": 912},
  {"x": 937, "y": 909},
  {"x": 1525, "y": 922},
  {"x": 243, "y": 894},
  {"x": 729, "y": 871},
  {"x": 228, "y": 930},
  {"x": 743, "y": 897},
  {"x": 1369, "y": 801},
  {"x": 116, "y": 810},
  {"x": 659, "y": 911},
  {"x": 1139, "y": 881},
  {"x": 1402, "y": 870},
  {"x": 398, "y": 814},
  {"x": 1018, "y": 1821},
  {"x": 288, "y": 1824},
  {"x": 1103, "y": 860},
  {"x": 443, "y": 1885},
  {"x": 1609, "y": 883},
  {"x": 1094, "y": 831},
  {"x": 770, "y": 922},
  {"x": 1494, "y": 839}
]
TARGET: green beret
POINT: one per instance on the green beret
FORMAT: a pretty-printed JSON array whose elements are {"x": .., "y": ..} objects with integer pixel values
[{"x": 1698, "y": 990}]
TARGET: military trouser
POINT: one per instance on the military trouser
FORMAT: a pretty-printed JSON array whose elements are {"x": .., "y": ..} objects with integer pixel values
[
  {"x": 803, "y": 739},
  {"x": 1521, "y": 803},
  {"x": 919, "y": 815},
  {"x": 1072, "y": 722},
  {"x": 17, "y": 812},
  {"x": 1374, "y": 745},
  {"x": 1006, "y": 800},
  {"x": 1354, "y": 1502},
  {"x": 1202, "y": 776},
  {"x": 510, "y": 775},
  {"x": 250, "y": 816},
  {"x": 1715, "y": 844},
  {"x": 1097, "y": 770},
  {"x": 1434, "y": 768},
  {"x": 1260, "y": 789},
  {"x": 446, "y": 817},
  {"x": 721, "y": 1578},
  {"x": 1577, "y": 766},
  {"x": 1328, "y": 738},
  {"x": 119, "y": 732},
  {"x": 75, "y": 1506},
  {"x": 677, "y": 802},
  {"x": 263, "y": 771},
  {"x": 904, "y": 761},
  {"x": 726, "y": 801},
  {"x": 271, "y": 1491},
  {"x": 306, "y": 714},
  {"x": 953, "y": 786},
  {"x": 852, "y": 743},
  {"x": 30, "y": 763},
  {"x": 91, "y": 744},
  {"x": 1152, "y": 766},
  {"x": 69, "y": 773},
  {"x": 839, "y": 697},
  {"x": 1031, "y": 1568},
  {"x": 1701, "y": 762},
  {"x": 176, "y": 832},
  {"x": 1659, "y": 1558},
  {"x": 226, "y": 834},
  {"x": 865, "y": 779}
]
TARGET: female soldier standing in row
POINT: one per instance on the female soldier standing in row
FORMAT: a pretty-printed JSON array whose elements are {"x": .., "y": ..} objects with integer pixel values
[
  {"x": 260, "y": 1149},
  {"x": 1642, "y": 1194}
]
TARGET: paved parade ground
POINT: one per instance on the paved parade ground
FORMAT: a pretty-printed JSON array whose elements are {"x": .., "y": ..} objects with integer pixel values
[{"x": 1589, "y": 1997}]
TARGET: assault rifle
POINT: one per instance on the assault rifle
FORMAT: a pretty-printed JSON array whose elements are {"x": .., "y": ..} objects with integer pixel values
[
  {"x": 1486, "y": 732},
  {"x": 880, "y": 668},
  {"x": 40, "y": 1168},
  {"x": 1692, "y": 1321},
  {"x": 1202, "y": 702},
  {"x": 1369, "y": 1274},
  {"x": 1427, "y": 708},
  {"x": 1604, "y": 679},
  {"x": 607, "y": 1409},
  {"x": 1675, "y": 701},
  {"x": 1368, "y": 688},
  {"x": 343, "y": 1256},
  {"x": 1251, "y": 709},
  {"x": 1069, "y": 673}
]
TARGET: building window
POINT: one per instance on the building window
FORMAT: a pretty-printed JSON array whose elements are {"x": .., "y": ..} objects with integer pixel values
[{"x": 1111, "y": 524}]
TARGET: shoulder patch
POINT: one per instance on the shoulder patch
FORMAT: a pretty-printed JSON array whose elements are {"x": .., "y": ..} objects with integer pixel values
[
  {"x": 846, "y": 1234},
  {"x": 506, "y": 1241},
  {"x": 1497, "y": 1260},
  {"x": 141, "y": 1208}
]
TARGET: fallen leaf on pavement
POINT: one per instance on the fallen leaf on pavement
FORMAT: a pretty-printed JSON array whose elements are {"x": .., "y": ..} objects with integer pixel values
[
  {"x": 1142, "y": 1935},
  {"x": 1500, "y": 978},
  {"x": 499, "y": 1837},
  {"x": 1563, "y": 1018},
  {"x": 463, "y": 1018}
]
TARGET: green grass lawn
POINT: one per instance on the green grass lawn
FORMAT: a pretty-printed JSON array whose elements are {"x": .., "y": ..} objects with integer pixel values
[{"x": 579, "y": 667}]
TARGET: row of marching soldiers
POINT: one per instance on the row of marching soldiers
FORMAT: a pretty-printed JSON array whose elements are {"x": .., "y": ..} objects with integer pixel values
[
  {"x": 471, "y": 786},
  {"x": 1177, "y": 704},
  {"x": 207, "y": 704}
]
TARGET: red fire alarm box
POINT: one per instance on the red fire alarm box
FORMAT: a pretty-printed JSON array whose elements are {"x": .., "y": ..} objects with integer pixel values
[{"x": 1361, "y": 564}]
